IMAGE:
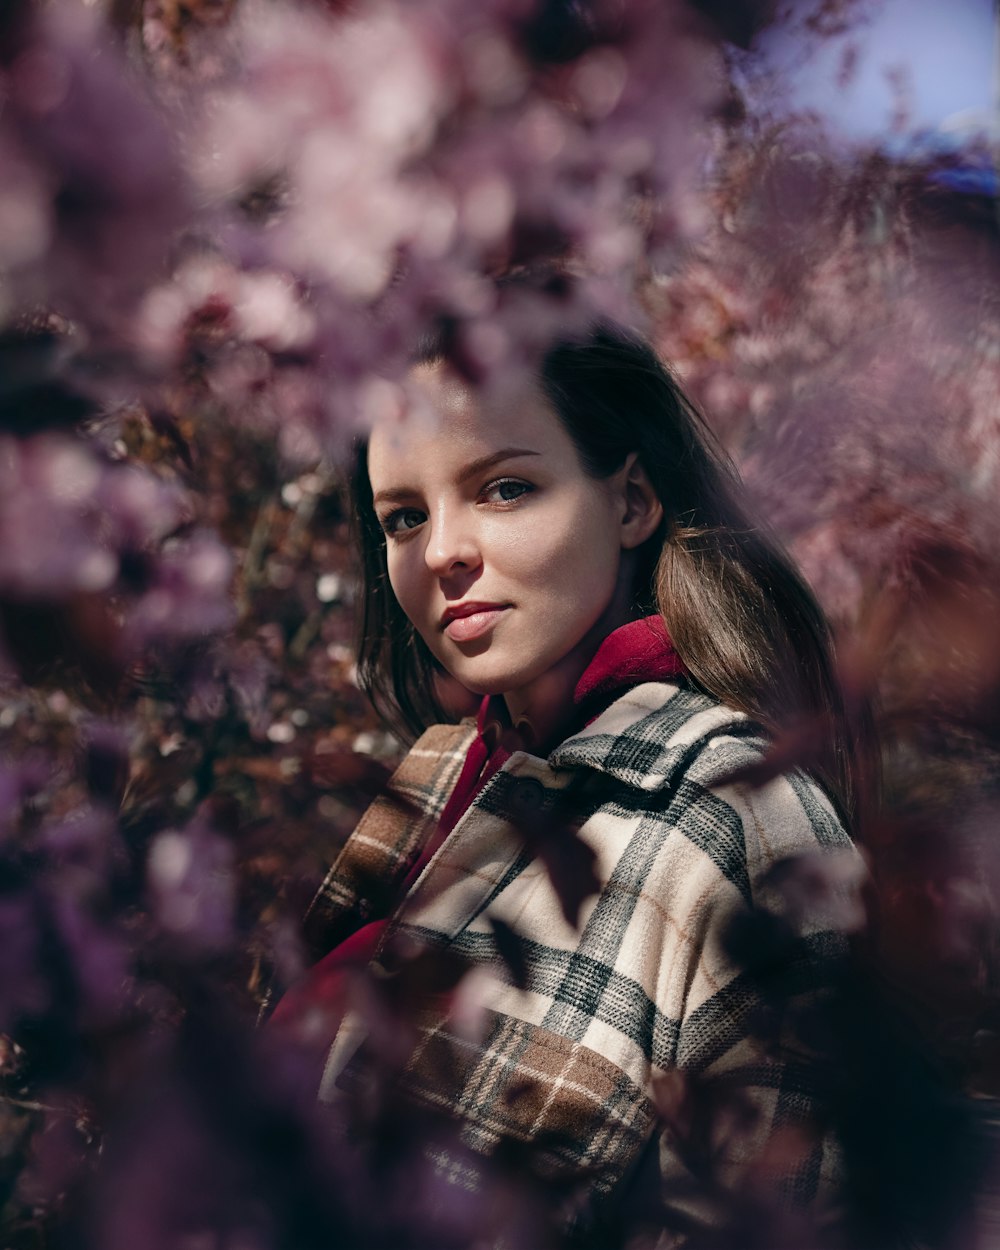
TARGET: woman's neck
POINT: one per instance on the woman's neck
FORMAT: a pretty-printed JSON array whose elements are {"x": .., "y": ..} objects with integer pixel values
[{"x": 543, "y": 711}]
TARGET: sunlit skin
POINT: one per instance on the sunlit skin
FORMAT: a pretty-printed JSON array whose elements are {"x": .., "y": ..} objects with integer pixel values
[{"x": 487, "y": 503}]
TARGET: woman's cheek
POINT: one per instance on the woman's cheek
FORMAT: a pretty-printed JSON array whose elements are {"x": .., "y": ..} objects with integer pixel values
[
  {"x": 537, "y": 544},
  {"x": 404, "y": 587}
]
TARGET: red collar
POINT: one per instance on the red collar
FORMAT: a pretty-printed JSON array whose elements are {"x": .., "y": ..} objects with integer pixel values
[{"x": 637, "y": 652}]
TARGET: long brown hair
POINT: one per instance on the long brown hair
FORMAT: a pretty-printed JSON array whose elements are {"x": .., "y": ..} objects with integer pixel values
[{"x": 743, "y": 621}]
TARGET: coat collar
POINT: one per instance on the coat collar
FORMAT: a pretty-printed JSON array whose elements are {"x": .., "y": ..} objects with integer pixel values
[{"x": 641, "y": 737}]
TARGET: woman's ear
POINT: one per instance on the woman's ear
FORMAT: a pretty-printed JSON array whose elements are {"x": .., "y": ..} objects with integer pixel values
[{"x": 643, "y": 511}]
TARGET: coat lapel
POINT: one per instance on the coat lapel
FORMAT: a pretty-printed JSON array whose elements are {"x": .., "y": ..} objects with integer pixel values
[
  {"x": 487, "y": 848},
  {"x": 366, "y": 877}
]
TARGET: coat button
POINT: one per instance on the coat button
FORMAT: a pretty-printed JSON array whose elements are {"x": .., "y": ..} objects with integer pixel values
[{"x": 527, "y": 796}]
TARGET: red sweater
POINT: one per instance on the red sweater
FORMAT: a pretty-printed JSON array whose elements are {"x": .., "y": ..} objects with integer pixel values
[{"x": 637, "y": 652}]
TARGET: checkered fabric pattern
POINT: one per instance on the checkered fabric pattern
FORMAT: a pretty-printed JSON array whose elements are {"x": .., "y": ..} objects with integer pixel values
[
  {"x": 645, "y": 985},
  {"x": 364, "y": 881}
]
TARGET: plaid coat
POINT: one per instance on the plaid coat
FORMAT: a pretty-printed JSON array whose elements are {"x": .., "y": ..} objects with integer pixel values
[{"x": 576, "y": 1058}]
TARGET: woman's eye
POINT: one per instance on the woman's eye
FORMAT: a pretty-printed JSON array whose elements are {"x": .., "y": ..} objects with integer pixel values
[
  {"x": 506, "y": 490},
  {"x": 403, "y": 519}
]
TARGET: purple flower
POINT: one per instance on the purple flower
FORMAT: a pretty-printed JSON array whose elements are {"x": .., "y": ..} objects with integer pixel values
[
  {"x": 192, "y": 887},
  {"x": 97, "y": 189},
  {"x": 24, "y": 988},
  {"x": 188, "y": 593}
]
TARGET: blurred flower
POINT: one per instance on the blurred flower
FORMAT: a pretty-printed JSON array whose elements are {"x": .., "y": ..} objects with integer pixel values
[
  {"x": 91, "y": 181},
  {"x": 84, "y": 554},
  {"x": 187, "y": 594},
  {"x": 84, "y": 848},
  {"x": 50, "y": 545},
  {"x": 208, "y": 302},
  {"x": 338, "y": 108},
  {"x": 24, "y": 988},
  {"x": 192, "y": 887}
]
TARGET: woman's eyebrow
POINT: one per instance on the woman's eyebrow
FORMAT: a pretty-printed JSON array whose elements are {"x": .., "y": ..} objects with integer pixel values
[
  {"x": 396, "y": 493},
  {"x": 487, "y": 462}
]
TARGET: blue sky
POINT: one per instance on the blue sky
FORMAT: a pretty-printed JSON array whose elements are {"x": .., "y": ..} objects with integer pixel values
[{"x": 945, "y": 50}]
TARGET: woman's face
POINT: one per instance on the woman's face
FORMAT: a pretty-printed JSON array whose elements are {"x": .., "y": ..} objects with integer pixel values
[{"x": 505, "y": 555}]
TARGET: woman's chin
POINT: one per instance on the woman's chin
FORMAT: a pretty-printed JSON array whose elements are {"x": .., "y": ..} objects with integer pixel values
[
  {"x": 480, "y": 686},
  {"x": 487, "y": 680}
]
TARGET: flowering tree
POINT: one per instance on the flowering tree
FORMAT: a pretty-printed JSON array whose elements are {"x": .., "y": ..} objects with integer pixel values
[{"x": 224, "y": 228}]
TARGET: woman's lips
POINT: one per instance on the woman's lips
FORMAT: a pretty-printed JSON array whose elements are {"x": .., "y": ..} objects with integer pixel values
[{"x": 467, "y": 628}]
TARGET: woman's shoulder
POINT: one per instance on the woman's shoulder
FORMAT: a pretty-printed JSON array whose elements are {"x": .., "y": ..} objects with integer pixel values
[
  {"x": 705, "y": 765},
  {"x": 658, "y": 730}
]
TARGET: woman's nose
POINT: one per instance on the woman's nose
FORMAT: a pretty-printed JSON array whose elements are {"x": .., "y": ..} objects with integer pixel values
[{"x": 452, "y": 545}]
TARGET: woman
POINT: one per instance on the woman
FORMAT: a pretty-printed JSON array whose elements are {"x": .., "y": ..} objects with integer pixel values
[{"x": 596, "y": 842}]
